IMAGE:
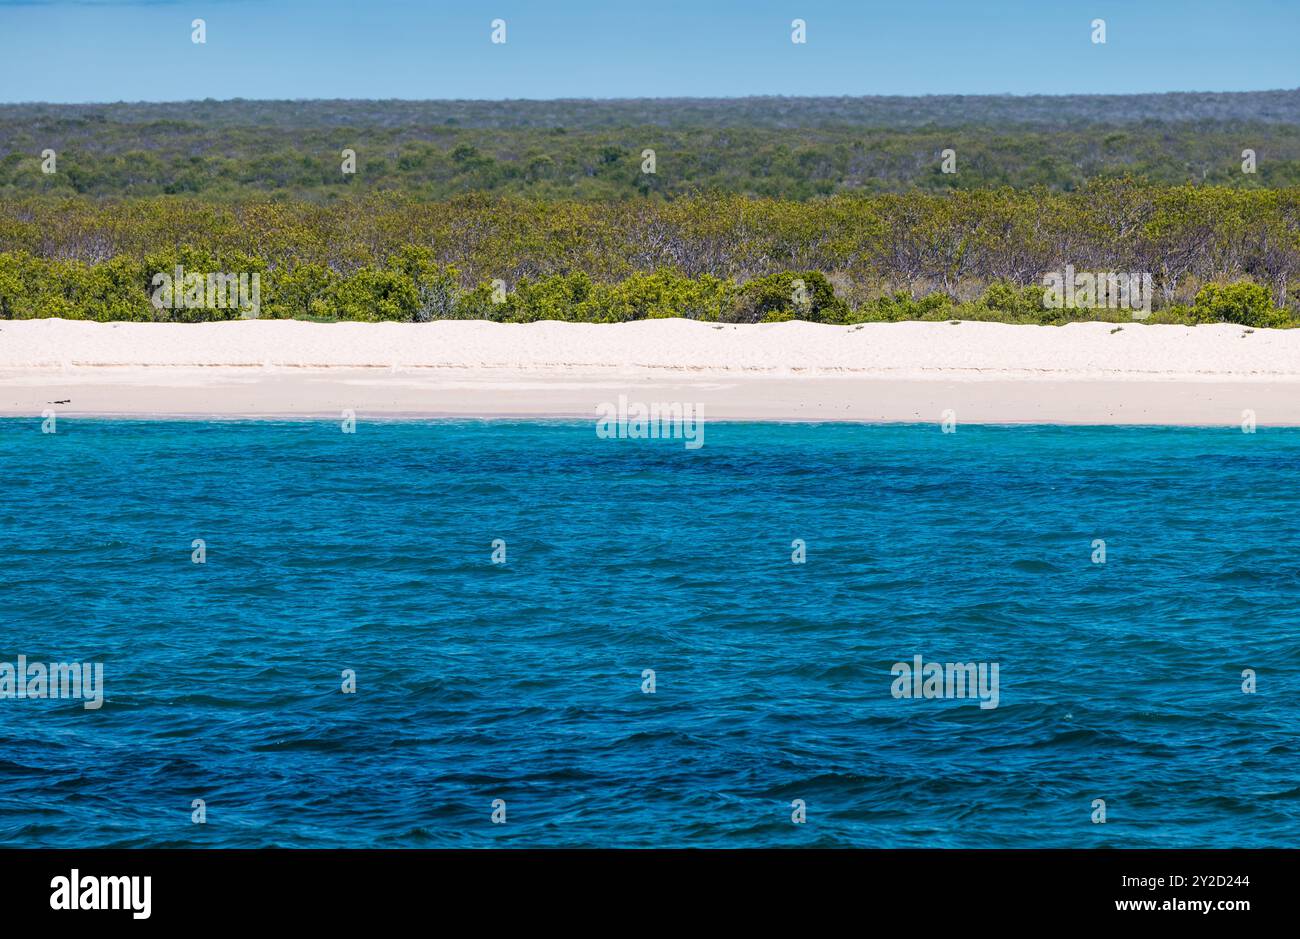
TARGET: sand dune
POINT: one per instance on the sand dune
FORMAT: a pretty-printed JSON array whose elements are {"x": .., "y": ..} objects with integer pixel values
[{"x": 1085, "y": 372}]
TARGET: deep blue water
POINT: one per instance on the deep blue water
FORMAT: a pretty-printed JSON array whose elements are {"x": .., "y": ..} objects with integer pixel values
[{"x": 522, "y": 681}]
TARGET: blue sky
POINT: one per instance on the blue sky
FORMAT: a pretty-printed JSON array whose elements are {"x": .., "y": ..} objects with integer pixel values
[{"x": 111, "y": 50}]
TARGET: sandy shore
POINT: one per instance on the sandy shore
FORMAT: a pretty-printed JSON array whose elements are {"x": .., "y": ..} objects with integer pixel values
[{"x": 985, "y": 372}]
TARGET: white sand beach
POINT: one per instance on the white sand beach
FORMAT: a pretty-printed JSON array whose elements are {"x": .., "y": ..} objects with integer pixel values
[{"x": 984, "y": 372}]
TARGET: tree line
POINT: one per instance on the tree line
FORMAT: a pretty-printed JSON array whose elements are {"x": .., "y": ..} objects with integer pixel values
[
  {"x": 1054, "y": 112},
  {"x": 437, "y": 161},
  {"x": 1214, "y": 254}
]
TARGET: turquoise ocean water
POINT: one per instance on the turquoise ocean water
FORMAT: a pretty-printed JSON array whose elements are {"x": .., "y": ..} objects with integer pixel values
[{"x": 523, "y": 681}]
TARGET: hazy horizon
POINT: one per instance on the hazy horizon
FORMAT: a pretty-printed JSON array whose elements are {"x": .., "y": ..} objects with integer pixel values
[{"x": 646, "y": 98}]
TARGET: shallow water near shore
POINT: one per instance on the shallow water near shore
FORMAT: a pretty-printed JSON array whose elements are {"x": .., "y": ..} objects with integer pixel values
[{"x": 523, "y": 681}]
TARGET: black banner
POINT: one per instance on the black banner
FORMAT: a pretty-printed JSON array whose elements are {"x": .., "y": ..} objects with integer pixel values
[{"x": 651, "y": 888}]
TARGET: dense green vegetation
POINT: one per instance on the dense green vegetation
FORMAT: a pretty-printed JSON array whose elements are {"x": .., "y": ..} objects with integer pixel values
[
  {"x": 969, "y": 254},
  {"x": 411, "y": 287},
  {"x": 774, "y": 147},
  {"x": 761, "y": 209}
]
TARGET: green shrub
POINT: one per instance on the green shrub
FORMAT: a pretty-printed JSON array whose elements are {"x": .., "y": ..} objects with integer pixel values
[
  {"x": 1175, "y": 315},
  {"x": 371, "y": 294},
  {"x": 666, "y": 293},
  {"x": 299, "y": 292},
  {"x": 481, "y": 304},
  {"x": 1242, "y": 302},
  {"x": 558, "y": 297},
  {"x": 900, "y": 306},
  {"x": 191, "y": 260},
  {"x": 13, "y": 268},
  {"x": 435, "y": 286},
  {"x": 1019, "y": 303},
  {"x": 805, "y": 295},
  {"x": 111, "y": 292}
]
